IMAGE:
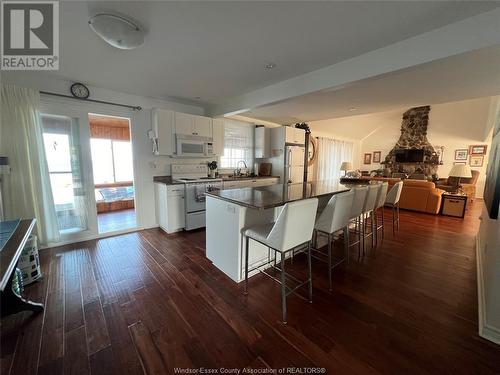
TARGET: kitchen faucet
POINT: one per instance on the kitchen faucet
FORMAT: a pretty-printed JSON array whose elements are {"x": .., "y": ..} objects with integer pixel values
[{"x": 238, "y": 169}]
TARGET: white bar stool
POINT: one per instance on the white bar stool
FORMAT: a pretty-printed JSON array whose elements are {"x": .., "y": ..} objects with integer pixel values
[
  {"x": 293, "y": 228},
  {"x": 382, "y": 194},
  {"x": 392, "y": 200},
  {"x": 369, "y": 206},
  {"x": 358, "y": 202},
  {"x": 335, "y": 217}
]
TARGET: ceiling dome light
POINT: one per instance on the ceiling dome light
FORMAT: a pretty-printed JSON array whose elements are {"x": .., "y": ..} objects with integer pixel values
[
  {"x": 270, "y": 65},
  {"x": 117, "y": 31}
]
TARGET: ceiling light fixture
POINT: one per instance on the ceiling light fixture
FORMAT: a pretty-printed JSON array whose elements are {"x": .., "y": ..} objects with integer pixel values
[
  {"x": 352, "y": 109},
  {"x": 117, "y": 31},
  {"x": 270, "y": 65}
]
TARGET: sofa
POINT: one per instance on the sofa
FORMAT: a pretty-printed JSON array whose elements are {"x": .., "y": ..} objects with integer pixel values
[
  {"x": 468, "y": 184},
  {"x": 417, "y": 195}
]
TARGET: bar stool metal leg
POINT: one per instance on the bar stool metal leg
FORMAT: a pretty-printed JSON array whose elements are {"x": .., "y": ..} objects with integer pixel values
[
  {"x": 383, "y": 226},
  {"x": 309, "y": 263},
  {"x": 374, "y": 228},
  {"x": 247, "y": 239},
  {"x": 393, "y": 220},
  {"x": 397, "y": 207},
  {"x": 346, "y": 243},
  {"x": 283, "y": 289},
  {"x": 330, "y": 261}
]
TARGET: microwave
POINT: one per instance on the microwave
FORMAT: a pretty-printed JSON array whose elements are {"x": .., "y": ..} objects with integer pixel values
[{"x": 194, "y": 146}]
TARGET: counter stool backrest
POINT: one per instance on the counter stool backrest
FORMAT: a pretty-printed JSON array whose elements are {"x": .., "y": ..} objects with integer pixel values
[
  {"x": 395, "y": 193},
  {"x": 336, "y": 214},
  {"x": 382, "y": 194},
  {"x": 358, "y": 201},
  {"x": 371, "y": 198},
  {"x": 294, "y": 225}
]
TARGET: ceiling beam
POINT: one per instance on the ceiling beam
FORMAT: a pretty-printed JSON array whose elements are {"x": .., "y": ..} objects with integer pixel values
[{"x": 464, "y": 36}]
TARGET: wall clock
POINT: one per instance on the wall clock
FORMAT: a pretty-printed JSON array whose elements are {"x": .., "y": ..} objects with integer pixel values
[
  {"x": 79, "y": 90},
  {"x": 312, "y": 151}
]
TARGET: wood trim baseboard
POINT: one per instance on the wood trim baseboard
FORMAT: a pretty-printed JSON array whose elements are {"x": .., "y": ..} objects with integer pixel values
[{"x": 485, "y": 331}]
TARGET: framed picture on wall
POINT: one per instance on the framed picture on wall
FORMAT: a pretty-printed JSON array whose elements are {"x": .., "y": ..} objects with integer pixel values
[
  {"x": 439, "y": 153},
  {"x": 368, "y": 159},
  {"x": 478, "y": 149},
  {"x": 461, "y": 154},
  {"x": 476, "y": 161},
  {"x": 377, "y": 156}
]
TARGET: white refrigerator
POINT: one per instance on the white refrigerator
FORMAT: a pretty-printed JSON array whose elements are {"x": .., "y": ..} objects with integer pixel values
[{"x": 294, "y": 164}]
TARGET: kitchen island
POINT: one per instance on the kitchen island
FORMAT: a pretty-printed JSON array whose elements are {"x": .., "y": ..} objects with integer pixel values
[{"x": 229, "y": 211}]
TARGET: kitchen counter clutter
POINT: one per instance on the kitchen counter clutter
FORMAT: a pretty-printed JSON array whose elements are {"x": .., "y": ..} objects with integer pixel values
[{"x": 229, "y": 211}]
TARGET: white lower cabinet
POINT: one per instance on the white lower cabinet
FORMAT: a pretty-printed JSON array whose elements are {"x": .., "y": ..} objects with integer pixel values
[
  {"x": 256, "y": 182},
  {"x": 170, "y": 207}
]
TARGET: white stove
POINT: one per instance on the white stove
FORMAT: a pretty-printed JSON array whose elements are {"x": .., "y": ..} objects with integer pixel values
[
  {"x": 196, "y": 184},
  {"x": 191, "y": 173}
]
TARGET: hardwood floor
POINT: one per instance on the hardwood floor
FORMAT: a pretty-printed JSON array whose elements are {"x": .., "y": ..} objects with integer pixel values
[
  {"x": 150, "y": 302},
  {"x": 116, "y": 220}
]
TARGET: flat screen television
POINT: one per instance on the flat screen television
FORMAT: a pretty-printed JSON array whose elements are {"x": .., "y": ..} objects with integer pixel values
[{"x": 409, "y": 155}]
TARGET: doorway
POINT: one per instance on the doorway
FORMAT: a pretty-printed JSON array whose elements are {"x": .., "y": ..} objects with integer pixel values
[{"x": 113, "y": 172}]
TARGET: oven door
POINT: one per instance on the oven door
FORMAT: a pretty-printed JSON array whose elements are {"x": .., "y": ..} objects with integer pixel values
[
  {"x": 191, "y": 148},
  {"x": 195, "y": 197}
]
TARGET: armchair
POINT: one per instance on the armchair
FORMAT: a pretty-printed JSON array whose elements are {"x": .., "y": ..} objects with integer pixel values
[{"x": 468, "y": 184}]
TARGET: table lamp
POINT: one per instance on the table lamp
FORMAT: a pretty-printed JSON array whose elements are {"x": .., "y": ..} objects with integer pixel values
[
  {"x": 460, "y": 171},
  {"x": 346, "y": 166}
]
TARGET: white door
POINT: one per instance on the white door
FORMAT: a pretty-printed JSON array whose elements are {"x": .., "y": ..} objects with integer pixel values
[
  {"x": 67, "y": 150},
  {"x": 66, "y": 132}
]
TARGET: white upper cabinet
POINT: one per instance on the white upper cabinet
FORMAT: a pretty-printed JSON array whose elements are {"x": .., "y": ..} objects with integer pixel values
[
  {"x": 262, "y": 142},
  {"x": 294, "y": 135},
  {"x": 300, "y": 136},
  {"x": 163, "y": 126},
  {"x": 202, "y": 126},
  {"x": 218, "y": 136},
  {"x": 184, "y": 124},
  {"x": 167, "y": 124}
]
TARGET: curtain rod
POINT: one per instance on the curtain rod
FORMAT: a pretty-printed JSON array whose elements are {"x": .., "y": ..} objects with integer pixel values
[{"x": 133, "y": 107}]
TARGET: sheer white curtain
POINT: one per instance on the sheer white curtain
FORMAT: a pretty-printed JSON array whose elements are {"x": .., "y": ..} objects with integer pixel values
[
  {"x": 27, "y": 192},
  {"x": 331, "y": 154},
  {"x": 238, "y": 144}
]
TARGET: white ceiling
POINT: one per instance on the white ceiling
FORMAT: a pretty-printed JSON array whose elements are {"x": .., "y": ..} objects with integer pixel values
[
  {"x": 216, "y": 50},
  {"x": 471, "y": 75}
]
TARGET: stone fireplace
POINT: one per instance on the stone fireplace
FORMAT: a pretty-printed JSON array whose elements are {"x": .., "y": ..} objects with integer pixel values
[{"x": 414, "y": 136}]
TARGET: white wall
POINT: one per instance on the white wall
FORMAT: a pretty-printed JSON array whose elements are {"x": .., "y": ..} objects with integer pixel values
[
  {"x": 146, "y": 165},
  {"x": 488, "y": 258},
  {"x": 453, "y": 125}
]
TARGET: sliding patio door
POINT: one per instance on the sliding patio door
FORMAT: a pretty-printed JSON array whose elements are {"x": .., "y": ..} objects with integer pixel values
[{"x": 67, "y": 150}]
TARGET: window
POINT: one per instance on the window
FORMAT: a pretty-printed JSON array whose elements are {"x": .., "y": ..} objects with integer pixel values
[
  {"x": 112, "y": 161},
  {"x": 238, "y": 144},
  {"x": 59, "y": 163}
]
